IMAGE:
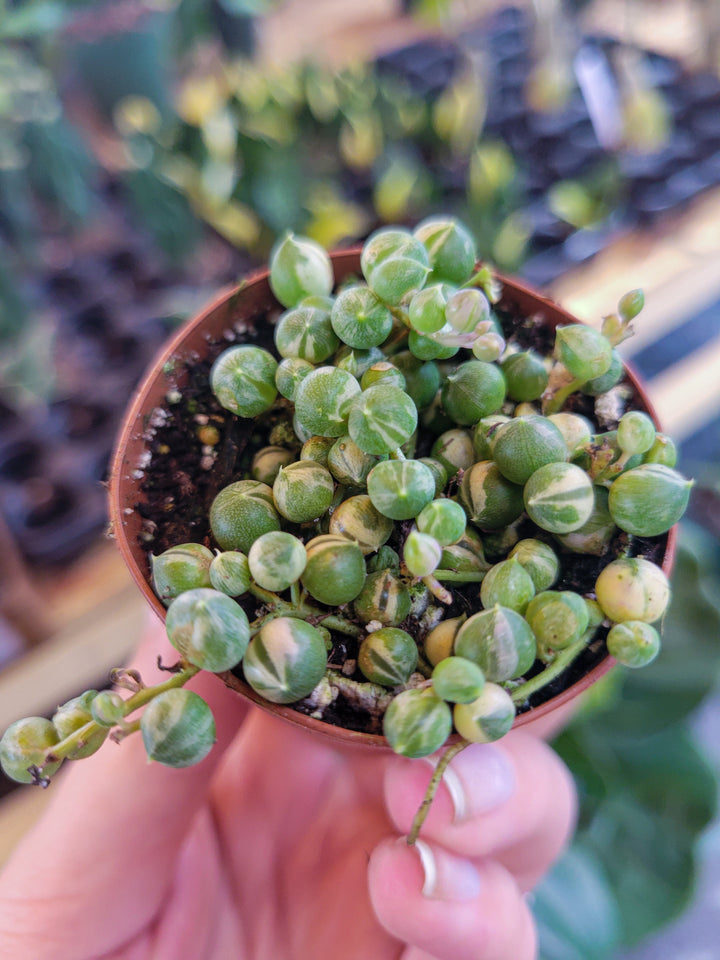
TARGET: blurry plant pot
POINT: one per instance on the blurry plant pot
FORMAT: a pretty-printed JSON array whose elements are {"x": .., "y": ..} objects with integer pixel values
[{"x": 248, "y": 303}]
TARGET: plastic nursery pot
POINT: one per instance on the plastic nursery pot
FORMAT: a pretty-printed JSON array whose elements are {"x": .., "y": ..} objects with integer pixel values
[{"x": 238, "y": 309}]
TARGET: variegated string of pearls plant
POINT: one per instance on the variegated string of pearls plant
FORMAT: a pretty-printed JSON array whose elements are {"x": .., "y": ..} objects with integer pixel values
[{"x": 352, "y": 535}]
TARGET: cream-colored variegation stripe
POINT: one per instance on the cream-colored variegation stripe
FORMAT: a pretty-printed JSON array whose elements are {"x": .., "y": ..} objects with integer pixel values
[
  {"x": 561, "y": 489},
  {"x": 280, "y": 651}
]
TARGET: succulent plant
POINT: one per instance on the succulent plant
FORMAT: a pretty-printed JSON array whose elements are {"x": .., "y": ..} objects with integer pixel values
[{"x": 404, "y": 520}]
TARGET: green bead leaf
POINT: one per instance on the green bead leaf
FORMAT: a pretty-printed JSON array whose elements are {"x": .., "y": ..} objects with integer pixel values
[
  {"x": 180, "y": 568},
  {"x": 286, "y": 660},
  {"x": 394, "y": 263},
  {"x": 499, "y": 641},
  {"x": 306, "y": 333},
  {"x": 277, "y": 559},
  {"x": 417, "y": 723},
  {"x": 299, "y": 267},
  {"x": 472, "y": 391},
  {"x": 360, "y": 318},
  {"x": 177, "y": 728},
  {"x": 524, "y": 444},
  {"x": 303, "y": 491},
  {"x": 381, "y": 419},
  {"x": 585, "y": 352},
  {"x": 323, "y": 400},
  {"x": 486, "y": 719},
  {"x": 451, "y": 248},
  {"x": 243, "y": 380},
  {"x": 399, "y": 489},
  {"x": 208, "y": 628},
  {"x": 241, "y": 512},
  {"x": 648, "y": 499},
  {"x": 388, "y": 656},
  {"x": 335, "y": 571},
  {"x": 559, "y": 497}
]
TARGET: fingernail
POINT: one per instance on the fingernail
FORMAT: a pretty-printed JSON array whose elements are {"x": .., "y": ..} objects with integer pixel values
[
  {"x": 478, "y": 780},
  {"x": 446, "y": 877}
]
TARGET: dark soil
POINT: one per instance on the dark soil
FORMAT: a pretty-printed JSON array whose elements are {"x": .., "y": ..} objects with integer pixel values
[{"x": 183, "y": 477}]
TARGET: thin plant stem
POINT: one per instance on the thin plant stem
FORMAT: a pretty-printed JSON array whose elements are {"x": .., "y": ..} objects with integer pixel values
[
  {"x": 616, "y": 468},
  {"x": 558, "y": 399},
  {"x": 552, "y": 670},
  {"x": 265, "y": 595},
  {"x": 149, "y": 693},
  {"x": 81, "y": 736},
  {"x": 437, "y": 589},
  {"x": 334, "y": 622},
  {"x": 460, "y": 576},
  {"x": 432, "y": 789}
]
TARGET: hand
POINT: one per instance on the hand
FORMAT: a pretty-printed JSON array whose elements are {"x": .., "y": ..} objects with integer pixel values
[{"x": 282, "y": 846}]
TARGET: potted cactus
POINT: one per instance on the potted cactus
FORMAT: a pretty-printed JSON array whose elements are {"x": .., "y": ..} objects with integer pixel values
[{"x": 390, "y": 497}]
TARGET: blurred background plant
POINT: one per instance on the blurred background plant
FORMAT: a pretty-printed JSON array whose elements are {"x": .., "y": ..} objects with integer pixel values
[{"x": 152, "y": 150}]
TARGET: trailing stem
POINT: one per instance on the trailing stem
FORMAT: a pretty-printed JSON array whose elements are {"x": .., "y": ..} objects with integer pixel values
[
  {"x": 563, "y": 660},
  {"x": 80, "y": 737},
  {"x": 432, "y": 788}
]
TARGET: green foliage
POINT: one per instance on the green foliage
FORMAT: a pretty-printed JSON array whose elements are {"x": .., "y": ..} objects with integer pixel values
[
  {"x": 165, "y": 211},
  {"x": 36, "y": 18},
  {"x": 646, "y": 791},
  {"x": 576, "y": 913}
]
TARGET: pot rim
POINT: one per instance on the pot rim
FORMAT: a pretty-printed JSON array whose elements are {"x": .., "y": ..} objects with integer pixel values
[{"x": 125, "y": 471}]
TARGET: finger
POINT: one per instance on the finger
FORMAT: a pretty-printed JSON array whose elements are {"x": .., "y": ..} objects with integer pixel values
[
  {"x": 110, "y": 837},
  {"x": 514, "y": 801},
  {"x": 415, "y": 953},
  {"x": 445, "y": 906}
]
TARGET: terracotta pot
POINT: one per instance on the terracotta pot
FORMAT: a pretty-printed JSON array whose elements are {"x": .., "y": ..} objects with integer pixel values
[{"x": 251, "y": 301}]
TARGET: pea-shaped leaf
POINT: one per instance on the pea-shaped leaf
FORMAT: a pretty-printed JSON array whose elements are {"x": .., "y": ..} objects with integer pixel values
[
  {"x": 524, "y": 444},
  {"x": 458, "y": 680},
  {"x": 450, "y": 247},
  {"x": 381, "y": 419},
  {"x": 559, "y": 497},
  {"x": 243, "y": 380},
  {"x": 394, "y": 263},
  {"x": 633, "y": 643},
  {"x": 491, "y": 501},
  {"x": 276, "y": 560},
  {"x": 306, "y": 333},
  {"x": 323, "y": 401},
  {"x": 360, "y": 318},
  {"x": 303, "y": 491},
  {"x": 208, "y": 628},
  {"x": 499, "y": 641},
  {"x": 632, "y": 588},
  {"x": 400, "y": 489},
  {"x": 357, "y": 519},
  {"x": 383, "y": 598},
  {"x": 177, "y": 728},
  {"x": 286, "y": 660},
  {"x": 241, "y": 512},
  {"x": 299, "y": 267},
  {"x": 25, "y": 744},
  {"x": 335, "y": 571},
  {"x": 648, "y": 499},
  {"x": 180, "y": 568},
  {"x": 388, "y": 656},
  {"x": 417, "y": 723},
  {"x": 472, "y": 391}
]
